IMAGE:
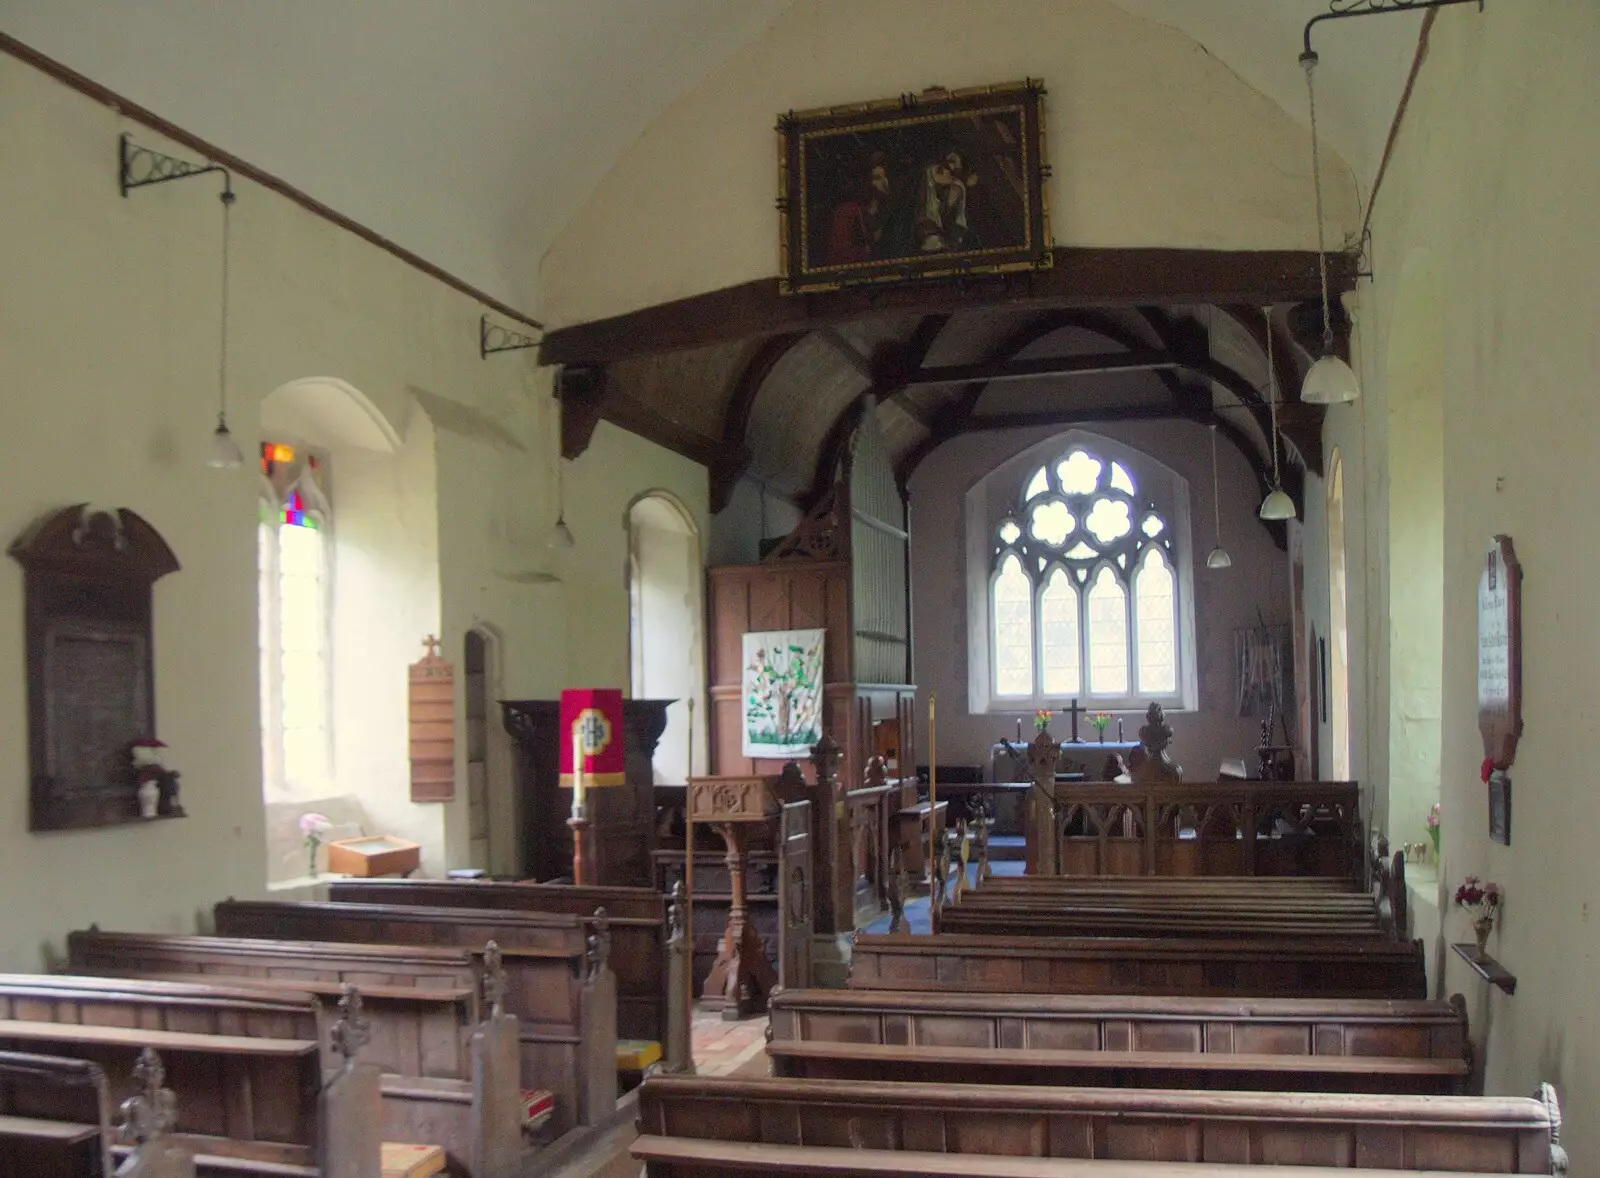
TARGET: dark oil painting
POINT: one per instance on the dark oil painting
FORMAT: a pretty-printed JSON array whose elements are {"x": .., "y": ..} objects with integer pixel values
[{"x": 919, "y": 187}]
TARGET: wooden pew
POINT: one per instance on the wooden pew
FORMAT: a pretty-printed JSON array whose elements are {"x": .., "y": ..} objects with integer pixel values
[
  {"x": 422, "y": 1003},
  {"x": 1429, "y": 1133},
  {"x": 1279, "y": 967},
  {"x": 1064, "y": 917},
  {"x": 637, "y": 919},
  {"x": 440, "y": 1083},
  {"x": 1322, "y": 1045},
  {"x": 248, "y": 1102},
  {"x": 558, "y": 981},
  {"x": 55, "y": 1117}
]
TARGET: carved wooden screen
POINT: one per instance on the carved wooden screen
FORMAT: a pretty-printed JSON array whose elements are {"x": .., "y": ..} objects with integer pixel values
[
  {"x": 878, "y": 554},
  {"x": 794, "y": 897}
]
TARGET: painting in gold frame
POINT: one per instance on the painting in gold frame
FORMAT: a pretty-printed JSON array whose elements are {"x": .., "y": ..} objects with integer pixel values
[{"x": 932, "y": 185}]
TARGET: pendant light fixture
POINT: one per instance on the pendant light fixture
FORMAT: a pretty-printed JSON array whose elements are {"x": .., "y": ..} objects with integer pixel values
[
  {"x": 560, "y": 535},
  {"x": 1330, "y": 380},
  {"x": 1218, "y": 557},
  {"x": 224, "y": 453},
  {"x": 1277, "y": 504}
]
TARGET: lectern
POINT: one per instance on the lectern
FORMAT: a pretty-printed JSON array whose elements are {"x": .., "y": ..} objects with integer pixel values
[{"x": 741, "y": 977}]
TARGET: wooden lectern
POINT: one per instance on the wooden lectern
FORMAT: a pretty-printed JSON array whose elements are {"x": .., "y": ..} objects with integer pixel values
[{"x": 742, "y": 977}]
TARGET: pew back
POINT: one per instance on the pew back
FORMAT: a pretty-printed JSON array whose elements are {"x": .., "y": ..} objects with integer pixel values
[
  {"x": 1327, "y": 968},
  {"x": 1306, "y": 1045},
  {"x": 422, "y": 1003},
  {"x": 566, "y": 1002},
  {"x": 637, "y": 919},
  {"x": 1440, "y": 1133},
  {"x": 55, "y": 1117}
]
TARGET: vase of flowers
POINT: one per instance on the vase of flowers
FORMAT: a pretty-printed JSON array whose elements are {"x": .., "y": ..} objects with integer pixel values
[
  {"x": 1433, "y": 830},
  {"x": 312, "y": 828},
  {"x": 1041, "y": 719},
  {"x": 1481, "y": 901},
  {"x": 1100, "y": 720}
]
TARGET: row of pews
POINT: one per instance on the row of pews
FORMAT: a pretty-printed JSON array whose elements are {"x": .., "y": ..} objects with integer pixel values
[
  {"x": 1110, "y": 1027},
  {"x": 304, "y": 1039}
]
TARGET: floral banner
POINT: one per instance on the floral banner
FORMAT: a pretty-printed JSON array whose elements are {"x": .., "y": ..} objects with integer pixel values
[{"x": 782, "y": 692}]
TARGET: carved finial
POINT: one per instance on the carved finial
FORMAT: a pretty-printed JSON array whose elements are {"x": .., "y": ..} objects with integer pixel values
[
  {"x": 599, "y": 942},
  {"x": 1156, "y": 734},
  {"x": 430, "y": 645},
  {"x": 677, "y": 918},
  {"x": 877, "y": 772},
  {"x": 152, "y": 1110},
  {"x": 350, "y": 1031},
  {"x": 494, "y": 979},
  {"x": 825, "y": 756}
]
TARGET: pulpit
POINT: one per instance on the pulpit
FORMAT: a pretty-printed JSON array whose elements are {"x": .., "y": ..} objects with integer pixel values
[
  {"x": 742, "y": 976},
  {"x": 621, "y": 830}
]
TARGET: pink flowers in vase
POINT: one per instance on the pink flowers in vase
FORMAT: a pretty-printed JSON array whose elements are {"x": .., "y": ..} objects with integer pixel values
[
  {"x": 312, "y": 828},
  {"x": 1433, "y": 830},
  {"x": 1482, "y": 902}
]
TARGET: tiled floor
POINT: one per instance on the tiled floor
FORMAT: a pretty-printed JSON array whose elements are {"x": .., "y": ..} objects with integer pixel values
[{"x": 729, "y": 1048}]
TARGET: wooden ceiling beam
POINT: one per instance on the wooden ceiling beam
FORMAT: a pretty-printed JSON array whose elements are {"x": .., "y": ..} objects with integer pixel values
[
  {"x": 1044, "y": 367},
  {"x": 1080, "y": 278}
]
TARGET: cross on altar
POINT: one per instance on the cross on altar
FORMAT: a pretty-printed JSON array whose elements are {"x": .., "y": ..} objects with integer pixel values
[
  {"x": 431, "y": 645},
  {"x": 1075, "y": 711}
]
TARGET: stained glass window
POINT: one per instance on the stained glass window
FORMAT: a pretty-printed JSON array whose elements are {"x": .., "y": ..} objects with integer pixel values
[
  {"x": 295, "y": 554},
  {"x": 1084, "y": 592}
]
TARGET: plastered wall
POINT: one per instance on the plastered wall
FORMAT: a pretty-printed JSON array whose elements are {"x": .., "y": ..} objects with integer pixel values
[
  {"x": 1153, "y": 142},
  {"x": 1493, "y": 183},
  {"x": 108, "y": 346}
]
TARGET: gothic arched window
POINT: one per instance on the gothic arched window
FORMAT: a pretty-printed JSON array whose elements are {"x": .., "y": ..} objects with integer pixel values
[{"x": 1084, "y": 588}]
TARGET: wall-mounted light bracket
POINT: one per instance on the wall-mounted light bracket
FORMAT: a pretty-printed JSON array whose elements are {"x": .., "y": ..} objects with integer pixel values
[
  {"x": 493, "y": 338},
  {"x": 1339, "y": 9},
  {"x": 140, "y": 167}
]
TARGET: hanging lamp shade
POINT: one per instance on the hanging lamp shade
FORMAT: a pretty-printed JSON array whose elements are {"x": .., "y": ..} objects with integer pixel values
[
  {"x": 1218, "y": 558},
  {"x": 223, "y": 453},
  {"x": 1330, "y": 382},
  {"x": 1277, "y": 505},
  {"x": 560, "y": 535}
]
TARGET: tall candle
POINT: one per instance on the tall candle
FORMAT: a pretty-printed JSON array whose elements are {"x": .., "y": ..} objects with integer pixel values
[
  {"x": 933, "y": 791},
  {"x": 577, "y": 772}
]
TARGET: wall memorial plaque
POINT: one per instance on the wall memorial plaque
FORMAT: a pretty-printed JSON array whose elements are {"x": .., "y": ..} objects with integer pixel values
[
  {"x": 1500, "y": 677},
  {"x": 1500, "y": 653},
  {"x": 88, "y": 578}
]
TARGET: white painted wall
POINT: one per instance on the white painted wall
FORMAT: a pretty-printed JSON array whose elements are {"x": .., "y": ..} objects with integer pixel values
[
  {"x": 108, "y": 344},
  {"x": 1493, "y": 179},
  {"x": 1153, "y": 142},
  {"x": 667, "y": 648},
  {"x": 1223, "y": 599}
]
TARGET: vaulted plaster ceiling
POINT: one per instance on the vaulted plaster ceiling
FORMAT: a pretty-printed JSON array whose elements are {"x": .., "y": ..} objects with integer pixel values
[{"x": 469, "y": 131}]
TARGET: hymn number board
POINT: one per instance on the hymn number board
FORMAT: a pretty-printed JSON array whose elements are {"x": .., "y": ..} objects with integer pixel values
[{"x": 1500, "y": 675}]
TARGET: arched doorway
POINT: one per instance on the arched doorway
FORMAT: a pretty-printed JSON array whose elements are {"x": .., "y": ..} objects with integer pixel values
[{"x": 666, "y": 631}]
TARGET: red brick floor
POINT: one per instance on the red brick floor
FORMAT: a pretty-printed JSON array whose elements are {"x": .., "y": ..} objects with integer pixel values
[{"x": 729, "y": 1048}]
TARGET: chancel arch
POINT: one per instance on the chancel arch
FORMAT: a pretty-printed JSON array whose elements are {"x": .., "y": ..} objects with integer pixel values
[{"x": 666, "y": 635}]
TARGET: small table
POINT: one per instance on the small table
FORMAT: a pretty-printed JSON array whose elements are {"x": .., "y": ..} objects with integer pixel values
[{"x": 741, "y": 977}]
